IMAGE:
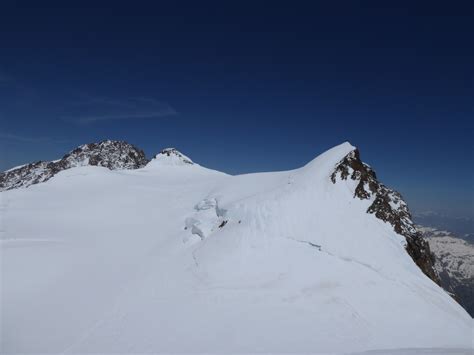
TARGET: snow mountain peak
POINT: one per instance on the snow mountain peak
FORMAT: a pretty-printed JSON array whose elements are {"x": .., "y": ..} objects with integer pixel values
[
  {"x": 285, "y": 258},
  {"x": 108, "y": 153},
  {"x": 171, "y": 156},
  {"x": 342, "y": 163}
]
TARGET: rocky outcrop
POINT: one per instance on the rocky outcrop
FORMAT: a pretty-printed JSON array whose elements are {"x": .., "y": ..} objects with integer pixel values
[
  {"x": 27, "y": 175},
  {"x": 109, "y": 154},
  {"x": 388, "y": 206}
]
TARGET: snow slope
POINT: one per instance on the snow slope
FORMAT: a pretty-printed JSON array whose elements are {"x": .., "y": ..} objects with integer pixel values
[{"x": 179, "y": 258}]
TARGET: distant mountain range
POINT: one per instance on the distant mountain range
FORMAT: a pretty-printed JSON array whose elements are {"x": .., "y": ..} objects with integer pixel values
[
  {"x": 462, "y": 227},
  {"x": 454, "y": 263}
]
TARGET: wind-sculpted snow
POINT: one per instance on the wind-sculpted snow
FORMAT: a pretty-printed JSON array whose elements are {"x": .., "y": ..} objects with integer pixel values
[
  {"x": 106, "y": 261},
  {"x": 206, "y": 218},
  {"x": 108, "y": 154}
]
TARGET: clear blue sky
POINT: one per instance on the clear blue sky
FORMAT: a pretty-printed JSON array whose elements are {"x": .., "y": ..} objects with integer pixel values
[{"x": 244, "y": 87}]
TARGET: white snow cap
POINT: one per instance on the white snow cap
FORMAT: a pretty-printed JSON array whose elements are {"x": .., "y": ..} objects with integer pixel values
[
  {"x": 328, "y": 160},
  {"x": 289, "y": 260},
  {"x": 171, "y": 156}
]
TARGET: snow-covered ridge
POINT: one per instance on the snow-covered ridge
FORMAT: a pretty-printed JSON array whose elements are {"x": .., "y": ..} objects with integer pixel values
[
  {"x": 110, "y": 154},
  {"x": 387, "y": 205},
  {"x": 183, "y": 259}
]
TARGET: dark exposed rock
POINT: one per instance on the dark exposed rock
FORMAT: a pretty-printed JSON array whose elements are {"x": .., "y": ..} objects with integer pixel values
[
  {"x": 109, "y": 154},
  {"x": 388, "y": 206},
  {"x": 26, "y": 175},
  {"x": 419, "y": 250}
]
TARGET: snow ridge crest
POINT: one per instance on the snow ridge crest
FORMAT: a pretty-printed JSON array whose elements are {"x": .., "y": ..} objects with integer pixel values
[{"x": 388, "y": 206}]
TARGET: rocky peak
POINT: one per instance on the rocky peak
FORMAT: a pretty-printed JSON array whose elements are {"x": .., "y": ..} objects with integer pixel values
[
  {"x": 388, "y": 206},
  {"x": 109, "y": 154},
  {"x": 171, "y": 156}
]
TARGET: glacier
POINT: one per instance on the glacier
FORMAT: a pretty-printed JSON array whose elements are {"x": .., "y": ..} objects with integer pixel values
[{"x": 173, "y": 257}]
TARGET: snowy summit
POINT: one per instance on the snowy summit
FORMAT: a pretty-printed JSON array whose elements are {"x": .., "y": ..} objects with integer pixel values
[
  {"x": 122, "y": 254},
  {"x": 171, "y": 156}
]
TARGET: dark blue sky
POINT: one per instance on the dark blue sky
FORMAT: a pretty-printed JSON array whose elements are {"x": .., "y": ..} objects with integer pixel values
[{"x": 243, "y": 87}]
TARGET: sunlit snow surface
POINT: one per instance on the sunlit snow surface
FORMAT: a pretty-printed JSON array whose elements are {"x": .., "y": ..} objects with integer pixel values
[{"x": 96, "y": 261}]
